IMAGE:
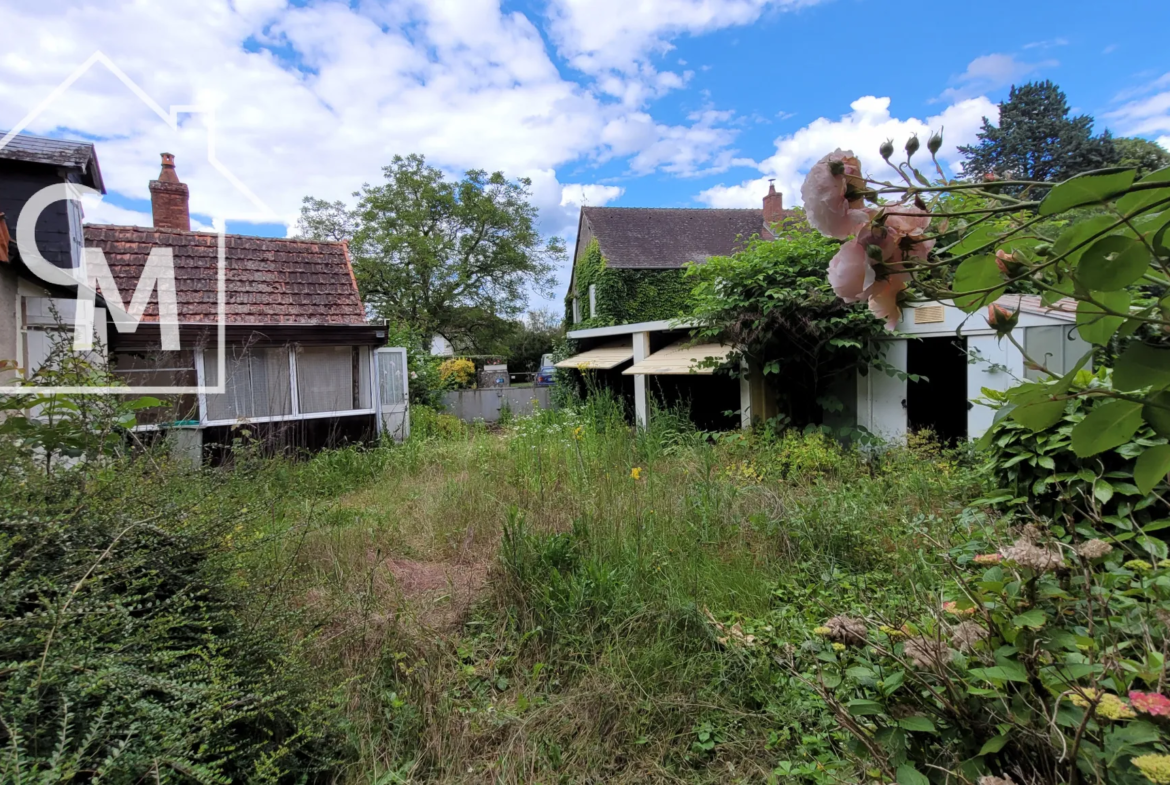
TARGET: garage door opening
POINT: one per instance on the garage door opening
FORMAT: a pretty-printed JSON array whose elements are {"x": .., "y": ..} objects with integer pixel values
[{"x": 938, "y": 400}]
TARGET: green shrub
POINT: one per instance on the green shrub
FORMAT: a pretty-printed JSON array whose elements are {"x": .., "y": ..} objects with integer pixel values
[
  {"x": 1022, "y": 670},
  {"x": 1039, "y": 470},
  {"x": 126, "y": 657}
]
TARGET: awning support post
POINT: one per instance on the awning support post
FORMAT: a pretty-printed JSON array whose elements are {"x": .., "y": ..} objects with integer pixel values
[
  {"x": 745, "y": 396},
  {"x": 641, "y": 407}
]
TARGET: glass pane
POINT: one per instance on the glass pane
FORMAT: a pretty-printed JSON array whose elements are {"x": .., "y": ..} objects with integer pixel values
[
  {"x": 390, "y": 378},
  {"x": 258, "y": 384},
  {"x": 325, "y": 379}
]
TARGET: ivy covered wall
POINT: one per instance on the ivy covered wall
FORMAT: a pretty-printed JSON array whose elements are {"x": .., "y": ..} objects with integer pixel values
[{"x": 624, "y": 296}]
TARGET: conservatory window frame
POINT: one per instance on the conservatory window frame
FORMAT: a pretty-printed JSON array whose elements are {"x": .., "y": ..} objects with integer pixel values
[{"x": 297, "y": 414}]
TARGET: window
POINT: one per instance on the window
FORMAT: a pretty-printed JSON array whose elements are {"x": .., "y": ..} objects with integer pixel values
[
  {"x": 390, "y": 378},
  {"x": 592, "y": 300},
  {"x": 333, "y": 379},
  {"x": 156, "y": 368},
  {"x": 257, "y": 385},
  {"x": 576, "y": 310},
  {"x": 1057, "y": 348}
]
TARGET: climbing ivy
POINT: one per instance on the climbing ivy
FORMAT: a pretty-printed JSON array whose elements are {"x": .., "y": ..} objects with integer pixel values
[{"x": 625, "y": 296}]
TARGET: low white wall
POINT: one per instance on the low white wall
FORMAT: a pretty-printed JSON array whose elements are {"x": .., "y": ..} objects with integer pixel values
[{"x": 471, "y": 405}]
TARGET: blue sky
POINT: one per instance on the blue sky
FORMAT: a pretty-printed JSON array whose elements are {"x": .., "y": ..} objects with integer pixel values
[{"x": 624, "y": 102}]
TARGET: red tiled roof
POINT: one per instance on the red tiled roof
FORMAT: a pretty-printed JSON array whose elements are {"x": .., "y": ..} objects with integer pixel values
[{"x": 268, "y": 280}]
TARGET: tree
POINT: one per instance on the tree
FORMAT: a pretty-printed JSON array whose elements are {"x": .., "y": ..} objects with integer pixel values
[
  {"x": 437, "y": 255},
  {"x": 1036, "y": 139},
  {"x": 777, "y": 309},
  {"x": 1147, "y": 156},
  {"x": 531, "y": 338}
]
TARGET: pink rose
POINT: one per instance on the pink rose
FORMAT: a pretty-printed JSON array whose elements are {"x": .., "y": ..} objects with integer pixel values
[
  {"x": 883, "y": 298},
  {"x": 850, "y": 272},
  {"x": 909, "y": 223},
  {"x": 828, "y": 209}
]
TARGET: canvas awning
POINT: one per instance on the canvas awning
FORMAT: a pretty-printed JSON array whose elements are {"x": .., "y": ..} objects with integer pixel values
[
  {"x": 679, "y": 358},
  {"x": 601, "y": 358}
]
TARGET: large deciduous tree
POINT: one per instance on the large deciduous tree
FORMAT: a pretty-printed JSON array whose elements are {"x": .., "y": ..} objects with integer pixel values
[
  {"x": 439, "y": 255},
  {"x": 1037, "y": 140}
]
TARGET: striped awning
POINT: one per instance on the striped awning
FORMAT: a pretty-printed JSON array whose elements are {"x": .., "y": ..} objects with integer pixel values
[
  {"x": 679, "y": 359},
  {"x": 601, "y": 358}
]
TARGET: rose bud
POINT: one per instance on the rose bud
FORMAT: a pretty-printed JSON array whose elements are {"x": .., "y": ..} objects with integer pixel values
[
  {"x": 1001, "y": 319},
  {"x": 887, "y": 149},
  {"x": 912, "y": 145},
  {"x": 934, "y": 143}
]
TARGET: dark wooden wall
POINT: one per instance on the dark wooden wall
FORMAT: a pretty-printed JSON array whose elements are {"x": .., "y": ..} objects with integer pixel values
[{"x": 18, "y": 182}]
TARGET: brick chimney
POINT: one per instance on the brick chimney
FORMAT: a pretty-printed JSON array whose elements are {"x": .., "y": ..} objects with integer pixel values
[
  {"x": 168, "y": 198},
  {"x": 773, "y": 209}
]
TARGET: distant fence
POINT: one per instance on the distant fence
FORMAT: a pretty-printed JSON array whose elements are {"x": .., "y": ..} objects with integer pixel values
[{"x": 470, "y": 405}]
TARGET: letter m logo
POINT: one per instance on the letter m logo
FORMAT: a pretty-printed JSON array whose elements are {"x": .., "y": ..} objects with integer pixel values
[{"x": 158, "y": 275}]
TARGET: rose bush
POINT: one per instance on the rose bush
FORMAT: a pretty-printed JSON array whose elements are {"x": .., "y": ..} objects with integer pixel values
[{"x": 1044, "y": 660}]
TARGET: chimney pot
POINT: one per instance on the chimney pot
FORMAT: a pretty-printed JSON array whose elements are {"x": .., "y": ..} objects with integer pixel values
[
  {"x": 773, "y": 210},
  {"x": 169, "y": 198}
]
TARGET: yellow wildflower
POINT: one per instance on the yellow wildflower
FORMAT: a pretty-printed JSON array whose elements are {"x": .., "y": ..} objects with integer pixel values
[
  {"x": 1156, "y": 768},
  {"x": 888, "y": 630},
  {"x": 1110, "y": 706},
  {"x": 838, "y": 647},
  {"x": 578, "y": 431},
  {"x": 1164, "y": 563},
  {"x": 636, "y": 473},
  {"x": 821, "y": 630},
  {"x": 1138, "y": 565}
]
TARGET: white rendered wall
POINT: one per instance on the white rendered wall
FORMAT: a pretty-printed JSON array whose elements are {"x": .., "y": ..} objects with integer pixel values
[
  {"x": 998, "y": 365},
  {"x": 879, "y": 396}
]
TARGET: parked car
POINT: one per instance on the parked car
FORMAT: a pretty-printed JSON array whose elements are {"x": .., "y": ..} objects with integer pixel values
[{"x": 544, "y": 376}]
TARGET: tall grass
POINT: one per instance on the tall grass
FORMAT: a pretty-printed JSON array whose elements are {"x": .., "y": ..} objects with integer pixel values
[
  {"x": 537, "y": 603},
  {"x": 589, "y": 654}
]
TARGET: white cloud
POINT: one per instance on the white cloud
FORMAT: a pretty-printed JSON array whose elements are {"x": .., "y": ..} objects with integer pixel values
[
  {"x": 687, "y": 150},
  {"x": 314, "y": 99},
  {"x": 1142, "y": 117},
  {"x": 1048, "y": 44},
  {"x": 1164, "y": 141},
  {"x": 862, "y": 130},
  {"x": 616, "y": 40},
  {"x": 581, "y": 194},
  {"x": 991, "y": 72}
]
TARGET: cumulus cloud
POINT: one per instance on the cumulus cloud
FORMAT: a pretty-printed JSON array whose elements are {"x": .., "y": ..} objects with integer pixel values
[
  {"x": 314, "y": 98},
  {"x": 991, "y": 72},
  {"x": 861, "y": 130},
  {"x": 616, "y": 40},
  {"x": 1143, "y": 117},
  {"x": 589, "y": 194}
]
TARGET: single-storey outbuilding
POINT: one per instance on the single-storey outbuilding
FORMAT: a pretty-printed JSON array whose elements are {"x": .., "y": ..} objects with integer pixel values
[{"x": 300, "y": 364}]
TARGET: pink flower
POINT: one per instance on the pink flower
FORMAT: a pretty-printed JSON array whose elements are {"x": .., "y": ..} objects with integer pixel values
[
  {"x": 989, "y": 558},
  {"x": 825, "y": 192},
  {"x": 1151, "y": 703},
  {"x": 850, "y": 272},
  {"x": 883, "y": 298},
  {"x": 909, "y": 223}
]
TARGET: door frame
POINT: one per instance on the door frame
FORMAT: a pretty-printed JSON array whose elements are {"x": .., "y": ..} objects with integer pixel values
[{"x": 403, "y": 407}]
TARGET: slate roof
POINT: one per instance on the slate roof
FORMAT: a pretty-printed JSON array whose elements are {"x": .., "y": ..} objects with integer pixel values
[
  {"x": 655, "y": 238},
  {"x": 55, "y": 152},
  {"x": 268, "y": 280}
]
